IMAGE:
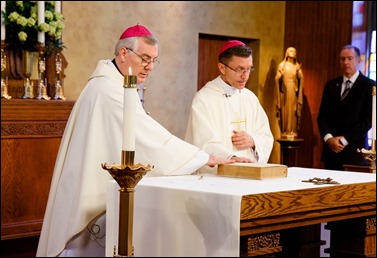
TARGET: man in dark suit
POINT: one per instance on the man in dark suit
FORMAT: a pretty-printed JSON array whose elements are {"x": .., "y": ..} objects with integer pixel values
[{"x": 345, "y": 115}]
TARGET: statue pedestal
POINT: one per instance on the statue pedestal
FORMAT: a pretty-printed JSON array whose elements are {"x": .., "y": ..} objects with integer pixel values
[{"x": 288, "y": 153}]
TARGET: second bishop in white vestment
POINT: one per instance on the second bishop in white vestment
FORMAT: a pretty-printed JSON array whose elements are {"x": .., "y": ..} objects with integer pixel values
[{"x": 218, "y": 109}]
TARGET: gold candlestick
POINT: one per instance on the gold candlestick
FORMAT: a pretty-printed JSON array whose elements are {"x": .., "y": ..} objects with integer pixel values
[
  {"x": 370, "y": 155},
  {"x": 59, "y": 93},
  {"x": 42, "y": 87},
  {"x": 127, "y": 175},
  {"x": 4, "y": 75}
]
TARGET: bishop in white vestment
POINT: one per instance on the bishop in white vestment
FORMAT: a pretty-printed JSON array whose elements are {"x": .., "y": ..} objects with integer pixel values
[
  {"x": 224, "y": 106},
  {"x": 74, "y": 222}
]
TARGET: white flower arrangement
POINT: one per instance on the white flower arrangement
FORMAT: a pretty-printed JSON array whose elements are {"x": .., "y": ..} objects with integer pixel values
[{"x": 21, "y": 17}]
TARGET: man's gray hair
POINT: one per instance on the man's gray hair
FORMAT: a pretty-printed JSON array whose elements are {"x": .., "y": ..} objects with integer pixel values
[{"x": 133, "y": 43}]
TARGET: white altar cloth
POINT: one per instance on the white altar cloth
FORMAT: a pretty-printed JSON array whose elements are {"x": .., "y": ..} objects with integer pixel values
[{"x": 199, "y": 215}]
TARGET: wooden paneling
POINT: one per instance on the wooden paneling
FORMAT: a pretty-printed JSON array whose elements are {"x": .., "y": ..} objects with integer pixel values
[
  {"x": 318, "y": 30},
  {"x": 31, "y": 132},
  {"x": 208, "y": 57},
  {"x": 350, "y": 209}
]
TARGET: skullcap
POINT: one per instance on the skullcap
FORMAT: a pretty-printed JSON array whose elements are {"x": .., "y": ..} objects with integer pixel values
[
  {"x": 135, "y": 31},
  {"x": 229, "y": 44}
]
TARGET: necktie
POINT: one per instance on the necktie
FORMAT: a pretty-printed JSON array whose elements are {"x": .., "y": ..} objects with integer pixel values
[{"x": 346, "y": 90}]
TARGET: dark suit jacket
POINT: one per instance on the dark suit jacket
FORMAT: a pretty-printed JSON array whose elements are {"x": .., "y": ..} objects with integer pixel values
[{"x": 351, "y": 118}]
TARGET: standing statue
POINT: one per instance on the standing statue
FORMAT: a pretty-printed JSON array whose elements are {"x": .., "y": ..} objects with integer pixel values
[{"x": 289, "y": 82}]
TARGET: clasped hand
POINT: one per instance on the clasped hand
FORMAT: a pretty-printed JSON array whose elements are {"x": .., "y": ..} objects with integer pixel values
[
  {"x": 242, "y": 140},
  {"x": 335, "y": 145}
]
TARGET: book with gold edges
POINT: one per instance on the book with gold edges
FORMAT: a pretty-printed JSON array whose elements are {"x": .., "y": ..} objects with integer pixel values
[{"x": 253, "y": 170}]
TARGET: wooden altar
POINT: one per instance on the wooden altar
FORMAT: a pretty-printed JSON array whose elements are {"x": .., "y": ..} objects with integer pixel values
[
  {"x": 31, "y": 131},
  {"x": 208, "y": 215}
]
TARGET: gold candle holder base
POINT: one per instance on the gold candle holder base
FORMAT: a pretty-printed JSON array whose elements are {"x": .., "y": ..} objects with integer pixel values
[
  {"x": 29, "y": 88},
  {"x": 4, "y": 77},
  {"x": 42, "y": 91},
  {"x": 118, "y": 255},
  {"x": 4, "y": 89},
  {"x": 369, "y": 155},
  {"x": 127, "y": 177},
  {"x": 59, "y": 91}
]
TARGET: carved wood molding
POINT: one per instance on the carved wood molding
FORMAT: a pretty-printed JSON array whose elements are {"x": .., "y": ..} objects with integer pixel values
[
  {"x": 14, "y": 230},
  {"x": 260, "y": 244},
  {"x": 371, "y": 224},
  {"x": 263, "y": 241},
  {"x": 32, "y": 129}
]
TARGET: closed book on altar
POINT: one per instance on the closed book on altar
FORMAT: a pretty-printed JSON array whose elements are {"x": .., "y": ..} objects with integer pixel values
[{"x": 253, "y": 170}]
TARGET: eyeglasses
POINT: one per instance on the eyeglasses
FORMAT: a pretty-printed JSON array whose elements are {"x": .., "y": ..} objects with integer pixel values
[
  {"x": 146, "y": 62},
  {"x": 241, "y": 71}
]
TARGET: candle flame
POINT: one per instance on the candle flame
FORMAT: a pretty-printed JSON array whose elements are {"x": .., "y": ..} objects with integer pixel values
[{"x": 129, "y": 70}]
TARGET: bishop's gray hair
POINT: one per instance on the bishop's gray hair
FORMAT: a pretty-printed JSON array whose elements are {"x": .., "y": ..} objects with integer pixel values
[{"x": 133, "y": 43}]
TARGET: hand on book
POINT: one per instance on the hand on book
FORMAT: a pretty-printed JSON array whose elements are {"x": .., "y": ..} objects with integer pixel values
[
  {"x": 213, "y": 161},
  {"x": 241, "y": 159}
]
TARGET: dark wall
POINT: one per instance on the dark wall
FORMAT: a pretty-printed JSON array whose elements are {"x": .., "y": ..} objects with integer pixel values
[{"x": 318, "y": 30}]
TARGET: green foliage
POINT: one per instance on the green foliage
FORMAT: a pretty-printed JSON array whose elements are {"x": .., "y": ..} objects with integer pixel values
[{"x": 21, "y": 21}]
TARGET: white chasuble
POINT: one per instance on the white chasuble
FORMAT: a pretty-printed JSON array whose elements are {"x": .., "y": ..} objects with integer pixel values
[
  {"x": 93, "y": 135},
  {"x": 218, "y": 109}
]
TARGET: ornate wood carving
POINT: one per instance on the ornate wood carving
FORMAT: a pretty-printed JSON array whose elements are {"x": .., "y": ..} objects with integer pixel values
[
  {"x": 260, "y": 244},
  {"x": 32, "y": 129},
  {"x": 371, "y": 224}
]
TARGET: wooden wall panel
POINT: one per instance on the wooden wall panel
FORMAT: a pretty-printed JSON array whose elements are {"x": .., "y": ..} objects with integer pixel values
[
  {"x": 31, "y": 132},
  {"x": 208, "y": 54},
  {"x": 318, "y": 30}
]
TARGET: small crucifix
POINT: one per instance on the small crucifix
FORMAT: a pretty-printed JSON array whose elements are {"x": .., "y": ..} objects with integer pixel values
[{"x": 238, "y": 122}]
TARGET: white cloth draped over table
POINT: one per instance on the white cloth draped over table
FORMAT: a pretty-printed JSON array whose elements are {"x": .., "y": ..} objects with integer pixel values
[
  {"x": 93, "y": 136},
  {"x": 215, "y": 110},
  {"x": 199, "y": 215}
]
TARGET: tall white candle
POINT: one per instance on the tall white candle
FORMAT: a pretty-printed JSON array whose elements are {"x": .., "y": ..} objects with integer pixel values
[
  {"x": 374, "y": 113},
  {"x": 58, "y": 6},
  {"x": 129, "y": 112},
  {"x": 3, "y": 3},
  {"x": 41, "y": 19}
]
